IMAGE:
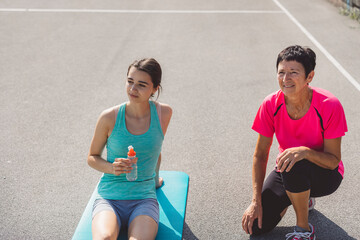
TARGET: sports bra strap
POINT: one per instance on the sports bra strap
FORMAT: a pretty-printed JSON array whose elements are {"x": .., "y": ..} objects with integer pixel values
[
  {"x": 158, "y": 108},
  {"x": 116, "y": 110}
]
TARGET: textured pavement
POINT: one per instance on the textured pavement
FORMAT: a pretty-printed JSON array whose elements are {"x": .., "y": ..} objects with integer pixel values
[{"x": 59, "y": 69}]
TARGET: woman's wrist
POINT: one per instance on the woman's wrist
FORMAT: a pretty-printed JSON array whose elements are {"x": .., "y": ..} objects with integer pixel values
[
  {"x": 307, "y": 153},
  {"x": 256, "y": 200}
]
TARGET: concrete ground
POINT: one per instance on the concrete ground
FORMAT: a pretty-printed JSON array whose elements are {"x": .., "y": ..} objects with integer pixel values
[{"x": 64, "y": 62}]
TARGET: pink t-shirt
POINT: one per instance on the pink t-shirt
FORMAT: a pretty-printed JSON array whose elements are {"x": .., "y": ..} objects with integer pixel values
[{"x": 324, "y": 119}]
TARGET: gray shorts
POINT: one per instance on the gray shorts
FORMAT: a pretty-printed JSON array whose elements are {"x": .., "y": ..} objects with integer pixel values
[{"x": 127, "y": 210}]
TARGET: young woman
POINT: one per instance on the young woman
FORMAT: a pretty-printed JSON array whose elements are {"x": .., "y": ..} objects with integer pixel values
[
  {"x": 141, "y": 123},
  {"x": 308, "y": 123}
]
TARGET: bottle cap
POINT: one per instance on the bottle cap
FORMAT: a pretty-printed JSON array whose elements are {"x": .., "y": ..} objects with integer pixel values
[{"x": 131, "y": 152}]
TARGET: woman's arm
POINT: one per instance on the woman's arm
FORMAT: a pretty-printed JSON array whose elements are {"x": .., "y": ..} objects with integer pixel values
[
  {"x": 158, "y": 180},
  {"x": 328, "y": 159},
  {"x": 260, "y": 159},
  {"x": 166, "y": 113},
  {"x": 103, "y": 128}
]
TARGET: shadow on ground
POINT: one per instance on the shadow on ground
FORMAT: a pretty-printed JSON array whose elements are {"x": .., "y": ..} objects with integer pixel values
[
  {"x": 188, "y": 234},
  {"x": 324, "y": 229}
]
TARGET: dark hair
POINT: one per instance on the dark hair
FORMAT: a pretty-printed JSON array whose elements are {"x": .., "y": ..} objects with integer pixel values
[
  {"x": 303, "y": 55},
  {"x": 151, "y": 67}
]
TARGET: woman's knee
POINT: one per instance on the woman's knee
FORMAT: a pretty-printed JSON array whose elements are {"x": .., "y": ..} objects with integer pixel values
[
  {"x": 298, "y": 178},
  {"x": 105, "y": 226},
  {"x": 104, "y": 236},
  {"x": 143, "y": 227},
  {"x": 270, "y": 220}
]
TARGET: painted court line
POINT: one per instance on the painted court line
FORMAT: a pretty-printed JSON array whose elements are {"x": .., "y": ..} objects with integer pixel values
[
  {"x": 322, "y": 49},
  {"x": 136, "y": 11},
  {"x": 284, "y": 10}
]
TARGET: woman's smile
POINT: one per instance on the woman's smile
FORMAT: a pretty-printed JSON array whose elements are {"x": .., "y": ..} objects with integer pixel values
[{"x": 288, "y": 86}]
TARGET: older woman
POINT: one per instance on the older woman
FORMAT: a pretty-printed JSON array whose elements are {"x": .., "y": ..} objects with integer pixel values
[{"x": 308, "y": 123}]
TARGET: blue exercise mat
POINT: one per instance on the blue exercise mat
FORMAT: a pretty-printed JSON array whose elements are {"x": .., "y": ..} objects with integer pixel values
[{"x": 172, "y": 198}]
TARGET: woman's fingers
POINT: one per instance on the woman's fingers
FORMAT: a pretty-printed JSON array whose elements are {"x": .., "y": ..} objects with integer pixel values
[
  {"x": 133, "y": 160},
  {"x": 281, "y": 160},
  {"x": 251, "y": 213},
  {"x": 250, "y": 224},
  {"x": 245, "y": 223},
  {"x": 285, "y": 164},
  {"x": 122, "y": 165},
  {"x": 285, "y": 161},
  {"x": 290, "y": 165},
  {"x": 288, "y": 158}
]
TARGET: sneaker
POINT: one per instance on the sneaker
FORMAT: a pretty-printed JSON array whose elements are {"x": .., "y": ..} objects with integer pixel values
[
  {"x": 298, "y": 234},
  {"x": 311, "y": 203}
]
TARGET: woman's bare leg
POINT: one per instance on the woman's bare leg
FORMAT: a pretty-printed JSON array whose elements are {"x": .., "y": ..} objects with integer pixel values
[
  {"x": 143, "y": 227},
  {"x": 300, "y": 202},
  {"x": 105, "y": 226}
]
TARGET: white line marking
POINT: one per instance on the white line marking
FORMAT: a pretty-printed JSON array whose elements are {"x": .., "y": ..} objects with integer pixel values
[
  {"x": 322, "y": 49},
  {"x": 133, "y": 11}
]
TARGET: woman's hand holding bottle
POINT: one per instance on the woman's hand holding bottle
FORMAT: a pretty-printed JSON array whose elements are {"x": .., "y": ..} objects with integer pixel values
[{"x": 123, "y": 165}]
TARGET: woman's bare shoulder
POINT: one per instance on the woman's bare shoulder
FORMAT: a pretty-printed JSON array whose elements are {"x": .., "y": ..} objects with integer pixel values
[
  {"x": 108, "y": 115},
  {"x": 166, "y": 110},
  {"x": 166, "y": 113}
]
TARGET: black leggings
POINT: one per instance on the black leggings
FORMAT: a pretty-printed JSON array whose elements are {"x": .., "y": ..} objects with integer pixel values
[{"x": 303, "y": 176}]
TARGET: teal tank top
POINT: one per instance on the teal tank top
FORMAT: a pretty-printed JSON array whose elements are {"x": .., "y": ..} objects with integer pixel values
[{"x": 147, "y": 147}]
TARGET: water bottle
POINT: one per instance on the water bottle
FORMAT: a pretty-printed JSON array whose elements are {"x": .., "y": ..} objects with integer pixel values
[{"x": 132, "y": 176}]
